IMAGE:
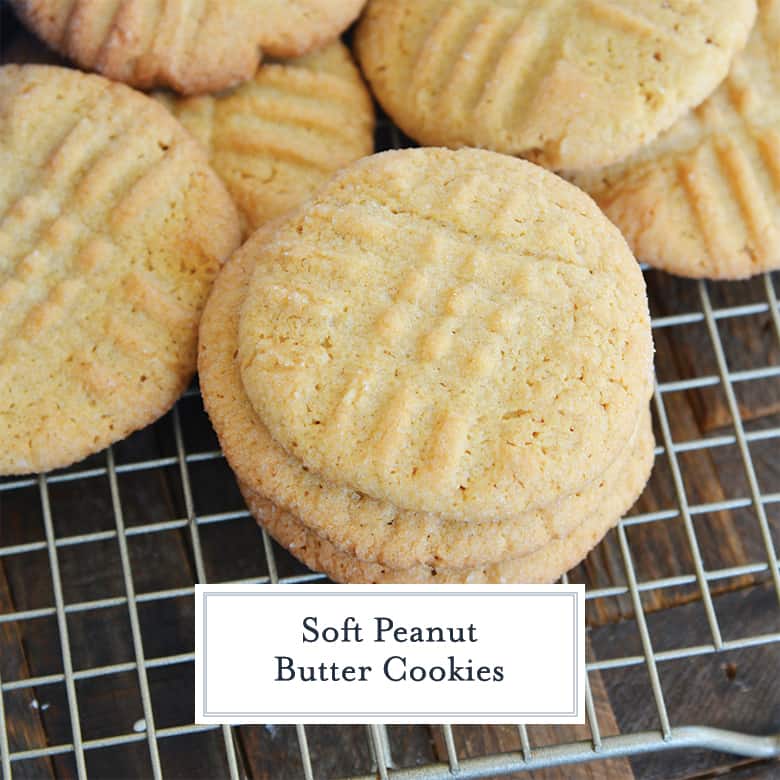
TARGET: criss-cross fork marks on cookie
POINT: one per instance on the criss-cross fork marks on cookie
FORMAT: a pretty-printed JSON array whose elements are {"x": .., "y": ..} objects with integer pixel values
[
  {"x": 704, "y": 199},
  {"x": 103, "y": 271},
  {"x": 566, "y": 84},
  {"x": 193, "y": 46},
  {"x": 412, "y": 316},
  {"x": 278, "y": 137},
  {"x": 356, "y": 538}
]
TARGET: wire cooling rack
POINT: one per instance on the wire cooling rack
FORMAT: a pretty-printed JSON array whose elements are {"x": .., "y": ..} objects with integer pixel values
[{"x": 99, "y": 561}]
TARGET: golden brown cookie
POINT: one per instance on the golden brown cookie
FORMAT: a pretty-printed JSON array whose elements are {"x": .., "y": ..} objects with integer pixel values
[
  {"x": 113, "y": 227},
  {"x": 461, "y": 333},
  {"x": 191, "y": 47},
  {"x": 279, "y": 136},
  {"x": 362, "y": 527},
  {"x": 572, "y": 84},
  {"x": 704, "y": 199},
  {"x": 545, "y": 564}
]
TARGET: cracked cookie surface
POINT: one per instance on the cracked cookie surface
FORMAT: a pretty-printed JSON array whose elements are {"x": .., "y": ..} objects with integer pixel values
[
  {"x": 461, "y": 333},
  {"x": 192, "y": 47},
  {"x": 704, "y": 199},
  {"x": 568, "y": 84},
  {"x": 112, "y": 229},
  {"x": 335, "y": 529}
]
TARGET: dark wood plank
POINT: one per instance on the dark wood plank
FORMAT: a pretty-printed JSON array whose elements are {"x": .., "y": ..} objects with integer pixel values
[
  {"x": 737, "y": 690},
  {"x": 661, "y": 549},
  {"x": 199, "y": 750},
  {"x": 110, "y": 705},
  {"x": 272, "y": 752},
  {"x": 748, "y": 770},
  {"x": 29, "y": 581},
  {"x": 709, "y": 475},
  {"x": 22, "y": 711},
  {"x": 482, "y": 740},
  {"x": 412, "y": 745},
  {"x": 749, "y": 342},
  {"x": 162, "y": 561}
]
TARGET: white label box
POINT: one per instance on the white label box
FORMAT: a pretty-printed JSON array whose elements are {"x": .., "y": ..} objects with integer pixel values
[{"x": 389, "y": 654}]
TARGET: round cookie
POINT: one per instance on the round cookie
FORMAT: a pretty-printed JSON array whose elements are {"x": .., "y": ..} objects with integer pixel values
[
  {"x": 461, "y": 333},
  {"x": 546, "y": 564},
  {"x": 113, "y": 227},
  {"x": 571, "y": 84},
  {"x": 278, "y": 137},
  {"x": 704, "y": 199},
  {"x": 192, "y": 48},
  {"x": 360, "y": 526}
]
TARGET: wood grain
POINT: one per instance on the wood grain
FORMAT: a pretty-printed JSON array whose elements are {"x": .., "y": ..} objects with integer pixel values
[
  {"x": 749, "y": 342},
  {"x": 22, "y": 709},
  {"x": 482, "y": 740},
  {"x": 738, "y": 689},
  {"x": 725, "y": 538}
]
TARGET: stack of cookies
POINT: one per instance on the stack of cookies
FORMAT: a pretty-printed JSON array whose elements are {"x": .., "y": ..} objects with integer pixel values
[
  {"x": 426, "y": 365},
  {"x": 435, "y": 370}
]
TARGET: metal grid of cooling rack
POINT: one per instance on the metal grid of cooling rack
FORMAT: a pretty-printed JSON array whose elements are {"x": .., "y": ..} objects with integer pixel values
[
  {"x": 380, "y": 747},
  {"x": 668, "y": 736}
]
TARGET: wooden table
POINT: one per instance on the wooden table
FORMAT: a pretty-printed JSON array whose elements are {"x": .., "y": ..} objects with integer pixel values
[{"x": 738, "y": 689}]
